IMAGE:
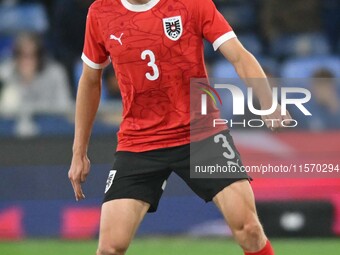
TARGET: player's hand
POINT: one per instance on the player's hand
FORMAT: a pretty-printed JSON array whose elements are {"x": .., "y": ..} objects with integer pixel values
[
  {"x": 79, "y": 170},
  {"x": 274, "y": 120}
]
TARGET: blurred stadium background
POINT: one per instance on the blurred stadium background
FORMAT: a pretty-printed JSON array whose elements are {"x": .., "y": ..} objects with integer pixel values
[{"x": 38, "y": 80}]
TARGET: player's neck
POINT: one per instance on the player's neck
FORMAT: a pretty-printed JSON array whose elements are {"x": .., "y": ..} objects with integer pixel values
[{"x": 138, "y": 1}]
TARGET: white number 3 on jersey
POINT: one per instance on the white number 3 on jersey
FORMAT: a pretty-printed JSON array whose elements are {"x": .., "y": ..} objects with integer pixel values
[{"x": 151, "y": 63}]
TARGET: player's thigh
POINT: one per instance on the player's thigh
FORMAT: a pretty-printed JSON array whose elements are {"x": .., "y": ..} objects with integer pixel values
[
  {"x": 120, "y": 219},
  {"x": 210, "y": 152},
  {"x": 237, "y": 204}
]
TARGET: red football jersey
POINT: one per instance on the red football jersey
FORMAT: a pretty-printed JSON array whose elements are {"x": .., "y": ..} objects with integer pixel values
[{"x": 155, "y": 49}]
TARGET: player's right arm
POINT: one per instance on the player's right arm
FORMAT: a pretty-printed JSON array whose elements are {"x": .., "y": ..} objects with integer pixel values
[
  {"x": 88, "y": 98},
  {"x": 95, "y": 58}
]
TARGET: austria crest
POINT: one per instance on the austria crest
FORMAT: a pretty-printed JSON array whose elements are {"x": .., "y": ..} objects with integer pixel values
[{"x": 173, "y": 27}]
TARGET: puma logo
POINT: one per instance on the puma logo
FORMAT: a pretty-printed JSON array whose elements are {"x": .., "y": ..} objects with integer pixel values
[{"x": 119, "y": 39}]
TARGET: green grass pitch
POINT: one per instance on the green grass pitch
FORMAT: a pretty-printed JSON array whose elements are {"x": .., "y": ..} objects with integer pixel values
[{"x": 170, "y": 246}]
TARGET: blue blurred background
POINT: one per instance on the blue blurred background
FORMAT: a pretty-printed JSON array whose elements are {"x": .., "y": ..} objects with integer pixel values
[{"x": 40, "y": 47}]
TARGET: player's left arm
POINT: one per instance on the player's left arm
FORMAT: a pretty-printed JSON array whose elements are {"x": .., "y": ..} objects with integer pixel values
[{"x": 251, "y": 72}]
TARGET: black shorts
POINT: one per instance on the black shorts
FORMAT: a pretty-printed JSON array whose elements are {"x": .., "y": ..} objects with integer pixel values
[{"x": 143, "y": 175}]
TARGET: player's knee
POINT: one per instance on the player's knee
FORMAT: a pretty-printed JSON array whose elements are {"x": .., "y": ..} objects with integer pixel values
[
  {"x": 253, "y": 231},
  {"x": 112, "y": 250},
  {"x": 251, "y": 236}
]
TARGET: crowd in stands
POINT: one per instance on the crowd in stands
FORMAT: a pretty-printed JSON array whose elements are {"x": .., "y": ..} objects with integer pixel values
[{"x": 41, "y": 44}]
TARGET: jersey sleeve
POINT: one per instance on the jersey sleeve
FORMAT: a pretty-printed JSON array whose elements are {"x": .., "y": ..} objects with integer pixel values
[
  {"x": 94, "y": 52},
  {"x": 213, "y": 25}
]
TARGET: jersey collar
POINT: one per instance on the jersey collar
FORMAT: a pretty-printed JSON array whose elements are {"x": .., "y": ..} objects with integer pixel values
[{"x": 139, "y": 7}]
